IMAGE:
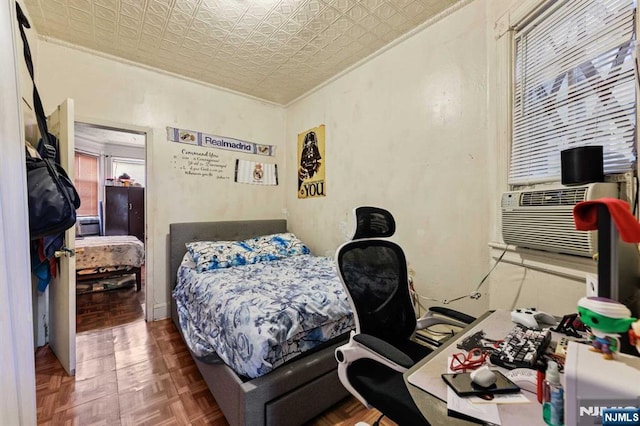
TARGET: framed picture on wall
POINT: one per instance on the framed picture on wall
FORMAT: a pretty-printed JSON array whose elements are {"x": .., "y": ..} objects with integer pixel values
[{"x": 311, "y": 163}]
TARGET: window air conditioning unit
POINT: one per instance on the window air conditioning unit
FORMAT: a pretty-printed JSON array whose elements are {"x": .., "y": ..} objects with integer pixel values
[{"x": 542, "y": 219}]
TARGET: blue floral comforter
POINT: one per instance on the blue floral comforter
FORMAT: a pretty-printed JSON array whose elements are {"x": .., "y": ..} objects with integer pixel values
[{"x": 256, "y": 317}]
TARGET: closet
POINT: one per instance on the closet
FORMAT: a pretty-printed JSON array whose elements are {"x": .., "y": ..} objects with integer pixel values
[{"x": 124, "y": 211}]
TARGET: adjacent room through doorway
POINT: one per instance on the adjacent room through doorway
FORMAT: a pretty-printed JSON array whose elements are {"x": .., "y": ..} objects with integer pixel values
[{"x": 110, "y": 176}]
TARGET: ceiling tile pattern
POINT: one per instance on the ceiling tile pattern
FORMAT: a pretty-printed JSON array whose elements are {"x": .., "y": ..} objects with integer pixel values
[{"x": 272, "y": 49}]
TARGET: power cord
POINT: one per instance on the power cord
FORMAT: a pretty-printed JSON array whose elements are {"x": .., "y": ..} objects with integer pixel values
[
  {"x": 377, "y": 422},
  {"x": 524, "y": 277},
  {"x": 635, "y": 196},
  {"x": 474, "y": 295}
]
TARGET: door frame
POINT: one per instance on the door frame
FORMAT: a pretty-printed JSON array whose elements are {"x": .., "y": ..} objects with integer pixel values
[
  {"x": 148, "y": 220},
  {"x": 62, "y": 291},
  {"x": 17, "y": 362}
]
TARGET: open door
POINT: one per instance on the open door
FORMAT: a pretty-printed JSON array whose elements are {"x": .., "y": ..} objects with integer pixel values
[{"x": 62, "y": 290}]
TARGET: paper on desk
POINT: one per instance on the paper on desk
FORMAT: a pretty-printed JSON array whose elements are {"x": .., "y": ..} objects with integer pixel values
[
  {"x": 505, "y": 398},
  {"x": 485, "y": 412}
]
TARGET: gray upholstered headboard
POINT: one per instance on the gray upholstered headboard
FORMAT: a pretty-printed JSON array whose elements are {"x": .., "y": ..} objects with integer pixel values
[{"x": 181, "y": 233}]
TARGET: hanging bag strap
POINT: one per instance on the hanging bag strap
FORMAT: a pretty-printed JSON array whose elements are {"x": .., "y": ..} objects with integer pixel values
[
  {"x": 50, "y": 149},
  {"x": 53, "y": 199}
]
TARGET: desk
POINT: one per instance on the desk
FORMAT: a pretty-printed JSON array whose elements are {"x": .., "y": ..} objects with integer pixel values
[{"x": 433, "y": 405}]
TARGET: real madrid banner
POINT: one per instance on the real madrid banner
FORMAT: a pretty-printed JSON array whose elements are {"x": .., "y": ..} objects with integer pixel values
[
  {"x": 221, "y": 142},
  {"x": 256, "y": 173}
]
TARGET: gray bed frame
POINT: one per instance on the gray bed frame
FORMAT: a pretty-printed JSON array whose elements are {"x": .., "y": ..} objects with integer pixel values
[{"x": 291, "y": 394}]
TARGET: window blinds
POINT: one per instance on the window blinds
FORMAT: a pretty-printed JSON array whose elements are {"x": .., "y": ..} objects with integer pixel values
[
  {"x": 86, "y": 183},
  {"x": 575, "y": 85}
]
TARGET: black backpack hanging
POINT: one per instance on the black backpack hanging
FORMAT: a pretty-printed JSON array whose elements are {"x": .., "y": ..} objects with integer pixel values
[{"x": 53, "y": 199}]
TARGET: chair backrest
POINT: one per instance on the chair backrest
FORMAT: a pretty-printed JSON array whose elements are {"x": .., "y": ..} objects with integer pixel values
[
  {"x": 373, "y": 222},
  {"x": 374, "y": 274}
]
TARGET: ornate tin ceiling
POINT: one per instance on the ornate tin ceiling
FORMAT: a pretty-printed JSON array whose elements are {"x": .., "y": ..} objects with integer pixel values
[{"x": 276, "y": 50}]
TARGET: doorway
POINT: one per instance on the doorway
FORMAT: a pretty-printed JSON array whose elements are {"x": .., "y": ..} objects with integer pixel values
[{"x": 111, "y": 177}]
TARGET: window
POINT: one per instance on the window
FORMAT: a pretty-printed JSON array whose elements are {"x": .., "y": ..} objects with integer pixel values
[
  {"x": 575, "y": 85},
  {"x": 132, "y": 167},
  {"x": 86, "y": 182}
]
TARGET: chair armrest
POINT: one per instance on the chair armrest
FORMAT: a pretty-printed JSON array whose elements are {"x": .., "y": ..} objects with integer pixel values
[
  {"x": 365, "y": 346},
  {"x": 384, "y": 349},
  {"x": 452, "y": 314},
  {"x": 444, "y": 316}
]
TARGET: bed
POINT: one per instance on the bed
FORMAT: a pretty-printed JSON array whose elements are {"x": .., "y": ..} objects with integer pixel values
[
  {"x": 109, "y": 256},
  {"x": 292, "y": 393}
]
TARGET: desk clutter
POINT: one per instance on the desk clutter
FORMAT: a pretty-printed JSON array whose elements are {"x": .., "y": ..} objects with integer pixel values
[
  {"x": 435, "y": 336},
  {"x": 106, "y": 284},
  {"x": 531, "y": 355},
  {"x": 560, "y": 368},
  {"x": 521, "y": 348}
]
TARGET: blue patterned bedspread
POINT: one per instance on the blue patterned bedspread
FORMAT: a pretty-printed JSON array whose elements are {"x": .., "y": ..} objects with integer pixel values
[{"x": 256, "y": 317}]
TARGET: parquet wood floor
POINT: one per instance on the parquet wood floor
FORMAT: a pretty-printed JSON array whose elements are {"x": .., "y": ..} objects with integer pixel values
[{"x": 130, "y": 372}]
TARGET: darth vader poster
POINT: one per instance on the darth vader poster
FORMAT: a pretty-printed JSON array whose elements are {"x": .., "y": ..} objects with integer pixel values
[{"x": 311, "y": 163}]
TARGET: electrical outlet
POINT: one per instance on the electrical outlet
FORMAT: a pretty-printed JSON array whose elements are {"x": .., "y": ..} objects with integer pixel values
[{"x": 592, "y": 285}]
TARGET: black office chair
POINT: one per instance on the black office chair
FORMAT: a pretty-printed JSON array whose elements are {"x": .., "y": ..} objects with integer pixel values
[{"x": 374, "y": 273}]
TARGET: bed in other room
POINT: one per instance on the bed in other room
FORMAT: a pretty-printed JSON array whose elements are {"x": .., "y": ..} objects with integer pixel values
[
  {"x": 108, "y": 256},
  {"x": 283, "y": 383}
]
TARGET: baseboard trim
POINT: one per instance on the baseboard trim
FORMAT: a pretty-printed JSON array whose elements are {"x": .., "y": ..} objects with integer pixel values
[{"x": 160, "y": 311}]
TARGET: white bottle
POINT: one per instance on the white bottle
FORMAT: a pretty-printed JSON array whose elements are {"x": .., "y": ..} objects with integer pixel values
[{"x": 553, "y": 395}]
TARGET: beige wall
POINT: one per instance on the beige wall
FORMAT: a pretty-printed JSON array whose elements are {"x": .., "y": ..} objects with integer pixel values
[
  {"x": 408, "y": 131},
  {"x": 413, "y": 129},
  {"x": 529, "y": 287},
  {"x": 416, "y": 129},
  {"x": 110, "y": 92}
]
